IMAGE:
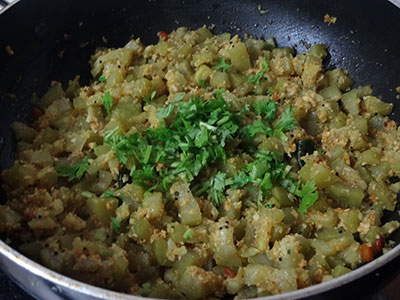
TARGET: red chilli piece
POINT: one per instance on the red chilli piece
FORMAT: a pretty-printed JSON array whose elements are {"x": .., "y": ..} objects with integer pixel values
[
  {"x": 379, "y": 243},
  {"x": 36, "y": 113},
  {"x": 162, "y": 35},
  {"x": 367, "y": 254},
  {"x": 275, "y": 96},
  {"x": 228, "y": 272}
]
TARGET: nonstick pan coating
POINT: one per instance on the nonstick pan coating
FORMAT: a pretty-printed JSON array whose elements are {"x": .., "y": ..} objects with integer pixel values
[{"x": 53, "y": 40}]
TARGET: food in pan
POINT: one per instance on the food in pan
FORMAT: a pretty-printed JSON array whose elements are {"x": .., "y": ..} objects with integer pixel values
[{"x": 202, "y": 166}]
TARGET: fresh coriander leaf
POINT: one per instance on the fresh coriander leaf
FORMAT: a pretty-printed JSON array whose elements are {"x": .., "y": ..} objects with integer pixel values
[
  {"x": 222, "y": 65},
  {"x": 189, "y": 234},
  {"x": 147, "y": 154},
  {"x": 202, "y": 83},
  {"x": 286, "y": 122},
  {"x": 218, "y": 94},
  {"x": 257, "y": 78},
  {"x": 75, "y": 171},
  {"x": 260, "y": 198},
  {"x": 146, "y": 289},
  {"x": 115, "y": 225},
  {"x": 238, "y": 181},
  {"x": 107, "y": 102},
  {"x": 102, "y": 79},
  {"x": 270, "y": 91},
  {"x": 216, "y": 186},
  {"x": 146, "y": 98},
  {"x": 165, "y": 112},
  {"x": 266, "y": 183},
  {"x": 108, "y": 194},
  {"x": 258, "y": 127},
  {"x": 119, "y": 143},
  {"x": 178, "y": 98},
  {"x": 266, "y": 107},
  {"x": 308, "y": 194},
  {"x": 265, "y": 65}
]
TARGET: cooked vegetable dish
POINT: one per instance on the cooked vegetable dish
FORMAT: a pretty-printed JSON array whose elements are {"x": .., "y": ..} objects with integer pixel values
[{"x": 204, "y": 166}]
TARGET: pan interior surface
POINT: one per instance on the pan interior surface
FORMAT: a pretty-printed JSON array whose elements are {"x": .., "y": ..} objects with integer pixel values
[{"x": 54, "y": 40}]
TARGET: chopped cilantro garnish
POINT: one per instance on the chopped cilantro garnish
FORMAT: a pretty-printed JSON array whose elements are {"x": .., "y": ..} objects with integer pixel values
[
  {"x": 75, "y": 171},
  {"x": 178, "y": 98},
  {"x": 165, "y": 112},
  {"x": 146, "y": 289},
  {"x": 257, "y": 78},
  {"x": 286, "y": 122},
  {"x": 197, "y": 138},
  {"x": 222, "y": 65},
  {"x": 108, "y": 194},
  {"x": 202, "y": 83},
  {"x": 189, "y": 234},
  {"x": 147, "y": 100},
  {"x": 102, "y": 79},
  {"x": 107, "y": 102},
  {"x": 308, "y": 195},
  {"x": 258, "y": 127},
  {"x": 215, "y": 188},
  {"x": 265, "y": 171},
  {"x": 270, "y": 91},
  {"x": 115, "y": 225},
  {"x": 119, "y": 143},
  {"x": 266, "y": 107}
]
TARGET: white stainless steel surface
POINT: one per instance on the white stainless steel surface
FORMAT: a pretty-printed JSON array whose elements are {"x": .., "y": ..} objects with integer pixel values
[{"x": 395, "y": 2}]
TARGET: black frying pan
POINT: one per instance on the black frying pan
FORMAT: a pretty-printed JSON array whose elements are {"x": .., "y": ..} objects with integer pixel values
[{"x": 53, "y": 40}]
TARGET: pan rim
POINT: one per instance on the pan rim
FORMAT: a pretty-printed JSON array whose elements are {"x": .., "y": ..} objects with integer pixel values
[{"x": 101, "y": 293}]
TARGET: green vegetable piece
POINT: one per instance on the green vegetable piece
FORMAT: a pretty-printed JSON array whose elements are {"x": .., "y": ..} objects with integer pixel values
[
  {"x": 102, "y": 79},
  {"x": 87, "y": 194},
  {"x": 345, "y": 195},
  {"x": 240, "y": 57},
  {"x": 75, "y": 171}
]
